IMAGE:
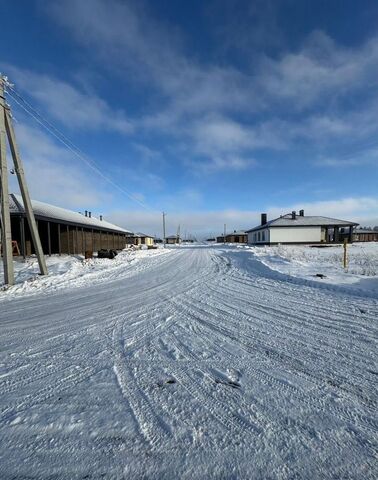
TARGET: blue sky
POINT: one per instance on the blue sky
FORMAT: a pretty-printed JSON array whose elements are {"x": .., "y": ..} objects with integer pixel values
[{"x": 212, "y": 111}]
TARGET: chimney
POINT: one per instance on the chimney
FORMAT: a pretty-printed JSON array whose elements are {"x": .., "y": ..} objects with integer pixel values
[
  {"x": 86, "y": 213},
  {"x": 301, "y": 213},
  {"x": 293, "y": 215},
  {"x": 101, "y": 218},
  {"x": 90, "y": 214},
  {"x": 263, "y": 218}
]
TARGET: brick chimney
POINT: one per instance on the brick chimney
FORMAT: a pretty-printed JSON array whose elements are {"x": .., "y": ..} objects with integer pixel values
[
  {"x": 263, "y": 218},
  {"x": 301, "y": 213},
  {"x": 90, "y": 214},
  {"x": 293, "y": 215},
  {"x": 101, "y": 218},
  {"x": 86, "y": 213}
]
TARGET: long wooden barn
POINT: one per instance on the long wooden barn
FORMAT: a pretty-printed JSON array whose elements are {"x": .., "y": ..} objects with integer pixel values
[{"x": 62, "y": 230}]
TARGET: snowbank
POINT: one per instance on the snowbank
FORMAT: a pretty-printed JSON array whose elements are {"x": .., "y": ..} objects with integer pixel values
[
  {"x": 324, "y": 264},
  {"x": 72, "y": 271}
]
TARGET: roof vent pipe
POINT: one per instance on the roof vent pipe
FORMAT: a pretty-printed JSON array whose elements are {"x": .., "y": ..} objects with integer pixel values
[
  {"x": 301, "y": 213},
  {"x": 263, "y": 218},
  {"x": 86, "y": 213},
  {"x": 293, "y": 215},
  {"x": 90, "y": 214}
]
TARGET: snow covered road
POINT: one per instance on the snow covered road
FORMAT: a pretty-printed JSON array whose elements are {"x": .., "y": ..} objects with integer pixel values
[{"x": 204, "y": 364}]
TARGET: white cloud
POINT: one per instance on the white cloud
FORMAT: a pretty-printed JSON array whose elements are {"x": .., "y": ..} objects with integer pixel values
[
  {"x": 52, "y": 175},
  {"x": 318, "y": 70},
  {"x": 361, "y": 210},
  {"x": 67, "y": 104},
  {"x": 199, "y": 103}
]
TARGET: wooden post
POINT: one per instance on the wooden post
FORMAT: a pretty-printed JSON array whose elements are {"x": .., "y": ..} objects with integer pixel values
[
  {"x": 6, "y": 232},
  {"x": 22, "y": 231},
  {"x": 351, "y": 234},
  {"x": 345, "y": 253},
  {"x": 59, "y": 241},
  {"x": 74, "y": 242},
  {"x": 164, "y": 240},
  {"x": 49, "y": 237}
]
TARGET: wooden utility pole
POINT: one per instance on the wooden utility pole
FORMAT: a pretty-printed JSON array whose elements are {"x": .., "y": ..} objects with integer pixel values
[
  {"x": 6, "y": 235},
  {"x": 6, "y": 129},
  {"x": 164, "y": 240}
]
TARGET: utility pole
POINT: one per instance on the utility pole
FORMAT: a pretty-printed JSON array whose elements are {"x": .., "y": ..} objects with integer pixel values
[
  {"x": 6, "y": 130},
  {"x": 224, "y": 234},
  {"x": 164, "y": 238},
  {"x": 6, "y": 235}
]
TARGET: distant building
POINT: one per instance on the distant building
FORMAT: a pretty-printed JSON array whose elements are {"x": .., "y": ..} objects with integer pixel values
[
  {"x": 140, "y": 239},
  {"x": 62, "y": 230},
  {"x": 172, "y": 239},
  {"x": 365, "y": 235},
  {"x": 234, "y": 237},
  {"x": 300, "y": 228}
]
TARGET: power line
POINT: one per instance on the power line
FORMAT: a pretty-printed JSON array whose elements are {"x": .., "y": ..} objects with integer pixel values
[{"x": 16, "y": 97}]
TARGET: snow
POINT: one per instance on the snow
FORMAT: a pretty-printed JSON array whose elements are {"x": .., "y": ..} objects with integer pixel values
[
  {"x": 45, "y": 210},
  {"x": 187, "y": 363},
  {"x": 67, "y": 271},
  {"x": 307, "y": 262}
]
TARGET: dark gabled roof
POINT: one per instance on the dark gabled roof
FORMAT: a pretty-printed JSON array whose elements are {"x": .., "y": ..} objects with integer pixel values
[
  {"x": 58, "y": 214},
  {"x": 303, "y": 221}
]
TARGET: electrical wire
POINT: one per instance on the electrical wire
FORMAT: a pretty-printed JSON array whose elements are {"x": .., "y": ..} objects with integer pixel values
[{"x": 55, "y": 132}]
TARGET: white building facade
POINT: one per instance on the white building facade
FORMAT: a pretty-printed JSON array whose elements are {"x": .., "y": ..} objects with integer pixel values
[{"x": 296, "y": 228}]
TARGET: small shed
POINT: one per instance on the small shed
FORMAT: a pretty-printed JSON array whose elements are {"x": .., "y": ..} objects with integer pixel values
[
  {"x": 140, "y": 239},
  {"x": 172, "y": 239}
]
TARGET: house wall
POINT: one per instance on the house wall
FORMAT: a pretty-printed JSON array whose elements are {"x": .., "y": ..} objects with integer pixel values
[
  {"x": 147, "y": 241},
  {"x": 259, "y": 237},
  {"x": 287, "y": 235},
  {"x": 236, "y": 238},
  {"x": 72, "y": 239},
  {"x": 365, "y": 237},
  {"x": 295, "y": 235}
]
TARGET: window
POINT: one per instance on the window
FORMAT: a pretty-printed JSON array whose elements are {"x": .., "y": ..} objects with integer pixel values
[
  {"x": 258, "y": 237},
  {"x": 263, "y": 235}
]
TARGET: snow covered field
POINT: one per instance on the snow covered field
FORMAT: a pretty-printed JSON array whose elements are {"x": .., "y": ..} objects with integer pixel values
[
  {"x": 307, "y": 262},
  {"x": 193, "y": 363}
]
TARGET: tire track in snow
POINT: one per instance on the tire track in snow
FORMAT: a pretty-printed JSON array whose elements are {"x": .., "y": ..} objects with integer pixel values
[
  {"x": 154, "y": 430},
  {"x": 343, "y": 413}
]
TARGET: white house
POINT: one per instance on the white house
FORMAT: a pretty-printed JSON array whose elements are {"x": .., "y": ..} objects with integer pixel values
[{"x": 298, "y": 228}]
